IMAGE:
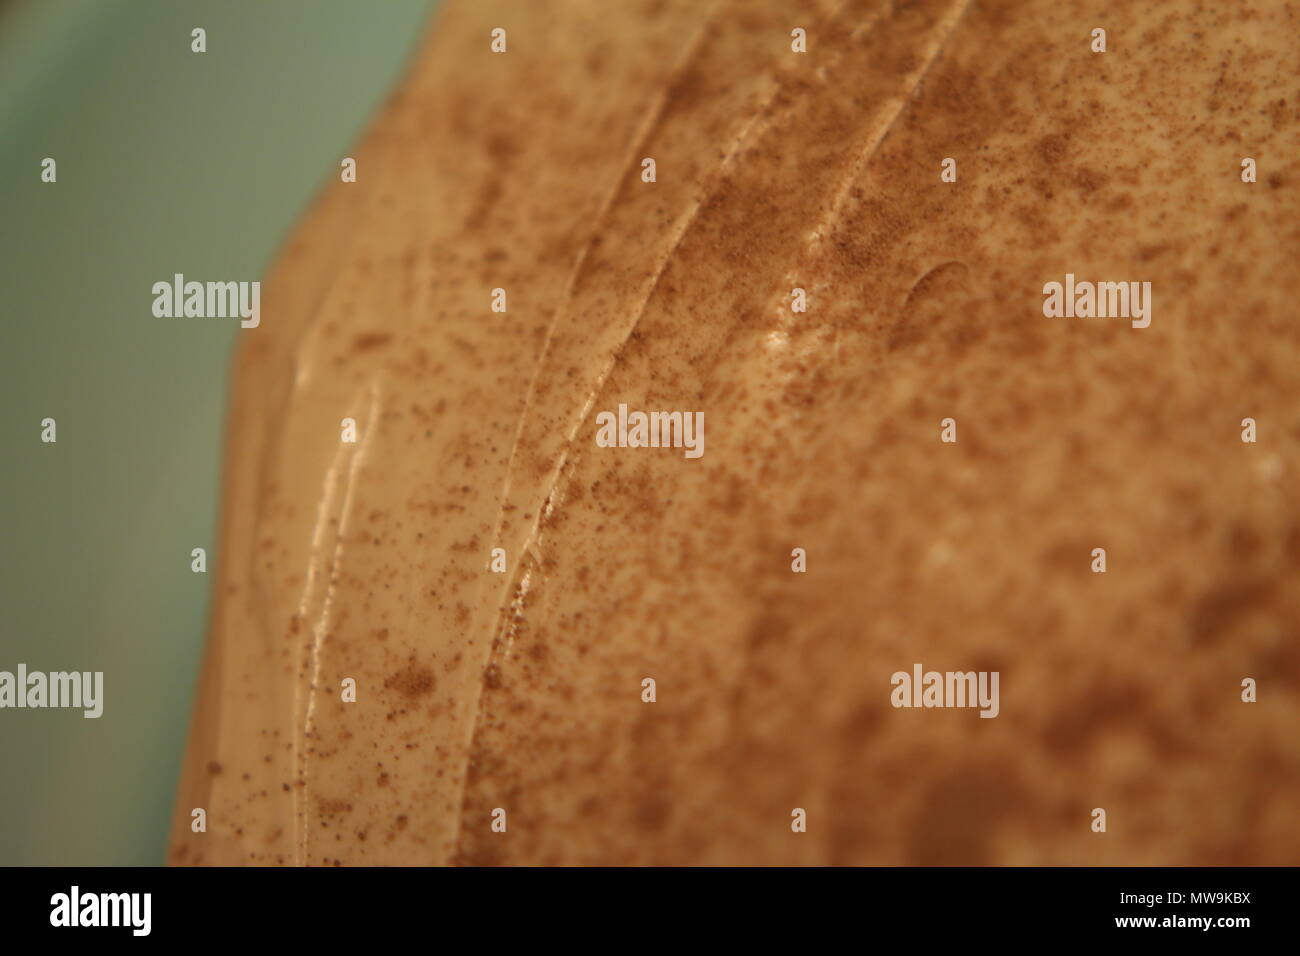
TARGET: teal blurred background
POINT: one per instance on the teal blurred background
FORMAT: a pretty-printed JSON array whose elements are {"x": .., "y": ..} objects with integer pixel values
[{"x": 168, "y": 161}]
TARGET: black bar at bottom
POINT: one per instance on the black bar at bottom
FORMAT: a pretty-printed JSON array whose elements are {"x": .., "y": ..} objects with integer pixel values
[{"x": 440, "y": 907}]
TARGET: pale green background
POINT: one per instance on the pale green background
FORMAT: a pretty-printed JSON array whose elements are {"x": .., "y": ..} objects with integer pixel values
[{"x": 168, "y": 161}]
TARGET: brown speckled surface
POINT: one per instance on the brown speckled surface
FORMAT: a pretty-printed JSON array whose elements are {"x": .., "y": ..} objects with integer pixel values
[{"x": 522, "y": 690}]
